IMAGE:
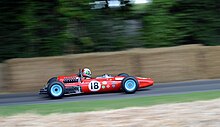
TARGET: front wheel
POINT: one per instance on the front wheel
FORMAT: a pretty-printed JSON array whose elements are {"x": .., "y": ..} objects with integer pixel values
[
  {"x": 123, "y": 74},
  {"x": 55, "y": 90},
  {"x": 129, "y": 85}
]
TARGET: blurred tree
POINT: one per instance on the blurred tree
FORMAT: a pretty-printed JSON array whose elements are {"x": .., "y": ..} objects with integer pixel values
[
  {"x": 160, "y": 25},
  {"x": 11, "y": 29},
  {"x": 76, "y": 14},
  {"x": 43, "y": 28},
  {"x": 171, "y": 22},
  {"x": 30, "y": 28},
  {"x": 103, "y": 29},
  {"x": 200, "y": 21}
]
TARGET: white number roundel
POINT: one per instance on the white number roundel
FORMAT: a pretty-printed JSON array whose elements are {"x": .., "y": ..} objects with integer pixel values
[{"x": 94, "y": 86}]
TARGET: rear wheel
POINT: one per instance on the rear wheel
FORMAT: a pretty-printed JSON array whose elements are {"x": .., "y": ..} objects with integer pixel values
[
  {"x": 129, "y": 85},
  {"x": 123, "y": 74},
  {"x": 55, "y": 89},
  {"x": 52, "y": 80}
]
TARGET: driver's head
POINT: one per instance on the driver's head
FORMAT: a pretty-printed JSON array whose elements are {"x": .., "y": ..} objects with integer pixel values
[{"x": 86, "y": 72}]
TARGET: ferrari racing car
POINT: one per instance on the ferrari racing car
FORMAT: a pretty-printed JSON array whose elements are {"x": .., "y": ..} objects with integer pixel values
[{"x": 82, "y": 82}]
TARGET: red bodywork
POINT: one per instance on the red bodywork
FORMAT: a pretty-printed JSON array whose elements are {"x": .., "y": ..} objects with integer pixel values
[{"x": 102, "y": 84}]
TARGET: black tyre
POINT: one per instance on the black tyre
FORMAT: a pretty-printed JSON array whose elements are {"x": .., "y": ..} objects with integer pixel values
[
  {"x": 56, "y": 89},
  {"x": 52, "y": 80},
  {"x": 123, "y": 74},
  {"x": 129, "y": 85}
]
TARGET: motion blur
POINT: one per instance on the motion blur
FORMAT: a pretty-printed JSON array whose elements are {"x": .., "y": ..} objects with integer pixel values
[{"x": 30, "y": 28}]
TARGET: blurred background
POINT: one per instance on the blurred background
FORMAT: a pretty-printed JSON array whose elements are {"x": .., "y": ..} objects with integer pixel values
[{"x": 30, "y": 28}]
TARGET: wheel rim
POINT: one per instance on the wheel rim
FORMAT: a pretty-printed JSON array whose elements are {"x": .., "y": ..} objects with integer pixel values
[
  {"x": 130, "y": 85},
  {"x": 56, "y": 90}
]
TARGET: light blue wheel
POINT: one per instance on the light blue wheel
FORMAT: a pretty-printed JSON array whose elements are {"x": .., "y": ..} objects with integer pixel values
[
  {"x": 130, "y": 85},
  {"x": 56, "y": 90}
]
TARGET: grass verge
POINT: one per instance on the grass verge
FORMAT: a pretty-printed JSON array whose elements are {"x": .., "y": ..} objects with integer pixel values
[{"x": 97, "y": 105}]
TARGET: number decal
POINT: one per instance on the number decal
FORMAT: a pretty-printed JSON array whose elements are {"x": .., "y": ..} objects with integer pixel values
[{"x": 94, "y": 86}]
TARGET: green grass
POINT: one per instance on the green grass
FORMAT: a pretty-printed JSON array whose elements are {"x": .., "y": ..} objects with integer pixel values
[{"x": 83, "y": 106}]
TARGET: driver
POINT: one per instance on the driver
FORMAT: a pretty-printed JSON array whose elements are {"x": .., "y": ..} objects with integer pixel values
[{"x": 86, "y": 73}]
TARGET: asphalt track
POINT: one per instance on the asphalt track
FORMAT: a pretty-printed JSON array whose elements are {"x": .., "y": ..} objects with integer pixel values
[{"x": 156, "y": 90}]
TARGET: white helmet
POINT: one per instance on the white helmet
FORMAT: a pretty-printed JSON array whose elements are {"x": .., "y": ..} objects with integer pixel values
[{"x": 86, "y": 72}]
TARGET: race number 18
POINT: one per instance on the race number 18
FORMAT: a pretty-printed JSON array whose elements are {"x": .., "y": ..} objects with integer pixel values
[{"x": 94, "y": 86}]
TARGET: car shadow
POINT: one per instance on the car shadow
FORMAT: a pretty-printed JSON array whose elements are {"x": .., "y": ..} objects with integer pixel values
[
  {"x": 144, "y": 89},
  {"x": 46, "y": 97}
]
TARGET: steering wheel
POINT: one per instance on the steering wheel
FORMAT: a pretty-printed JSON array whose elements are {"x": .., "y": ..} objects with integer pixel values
[{"x": 106, "y": 76}]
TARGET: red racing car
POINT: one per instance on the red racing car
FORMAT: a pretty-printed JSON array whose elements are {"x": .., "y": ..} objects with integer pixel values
[{"x": 82, "y": 82}]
